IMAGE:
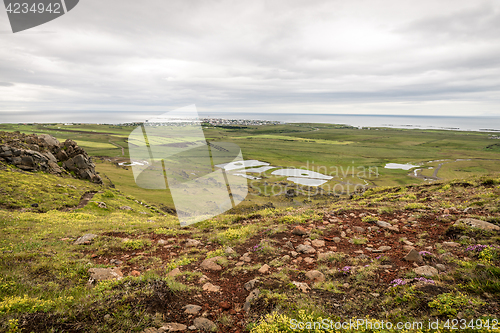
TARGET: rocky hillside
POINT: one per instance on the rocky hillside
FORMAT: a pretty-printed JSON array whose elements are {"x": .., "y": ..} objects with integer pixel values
[
  {"x": 398, "y": 254},
  {"x": 45, "y": 153}
]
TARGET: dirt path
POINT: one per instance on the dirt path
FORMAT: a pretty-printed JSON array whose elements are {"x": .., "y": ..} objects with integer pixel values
[
  {"x": 115, "y": 144},
  {"x": 84, "y": 200},
  {"x": 86, "y": 197}
]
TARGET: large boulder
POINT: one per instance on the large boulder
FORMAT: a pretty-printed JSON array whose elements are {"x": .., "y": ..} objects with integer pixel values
[
  {"x": 46, "y": 140},
  {"x": 475, "y": 223}
]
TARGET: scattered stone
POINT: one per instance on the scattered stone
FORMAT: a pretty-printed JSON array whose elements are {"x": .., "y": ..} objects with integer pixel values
[
  {"x": 343, "y": 234},
  {"x": 414, "y": 256},
  {"x": 361, "y": 251},
  {"x": 426, "y": 271},
  {"x": 250, "y": 284},
  {"x": 246, "y": 257},
  {"x": 126, "y": 208},
  {"x": 384, "y": 248},
  {"x": 308, "y": 260},
  {"x": 225, "y": 305},
  {"x": 203, "y": 279},
  {"x": 192, "y": 243},
  {"x": 101, "y": 204},
  {"x": 210, "y": 287},
  {"x": 375, "y": 294},
  {"x": 408, "y": 247},
  {"x": 358, "y": 229},
  {"x": 306, "y": 249},
  {"x": 325, "y": 255},
  {"x": 204, "y": 324},
  {"x": 192, "y": 309},
  {"x": 477, "y": 224},
  {"x": 289, "y": 245},
  {"x": 162, "y": 242},
  {"x": 264, "y": 269},
  {"x": 174, "y": 272},
  {"x": 248, "y": 301},
  {"x": 451, "y": 244},
  {"x": 135, "y": 273},
  {"x": 318, "y": 243},
  {"x": 336, "y": 239},
  {"x": 229, "y": 250},
  {"x": 211, "y": 265},
  {"x": 441, "y": 267},
  {"x": 173, "y": 327},
  {"x": 101, "y": 274},
  {"x": 294, "y": 254},
  {"x": 85, "y": 239},
  {"x": 315, "y": 276},
  {"x": 299, "y": 231},
  {"x": 386, "y": 225},
  {"x": 303, "y": 287}
]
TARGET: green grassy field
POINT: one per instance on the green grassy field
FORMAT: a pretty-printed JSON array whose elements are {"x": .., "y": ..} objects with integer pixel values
[{"x": 351, "y": 155}]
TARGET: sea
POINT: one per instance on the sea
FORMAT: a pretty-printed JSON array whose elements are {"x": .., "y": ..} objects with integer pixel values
[{"x": 489, "y": 124}]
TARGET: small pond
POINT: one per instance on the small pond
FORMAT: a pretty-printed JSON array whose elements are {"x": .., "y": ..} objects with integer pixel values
[
  {"x": 300, "y": 173},
  {"x": 241, "y": 164},
  {"x": 400, "y": 166},
  {"x": 307, "y": 181}
]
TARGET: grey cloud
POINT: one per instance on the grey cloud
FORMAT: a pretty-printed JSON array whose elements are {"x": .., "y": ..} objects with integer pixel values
[
  {"x": 476, "y": 23},
  {"x": 117, "y": 55},
  {"x": 6, "y": 84}
]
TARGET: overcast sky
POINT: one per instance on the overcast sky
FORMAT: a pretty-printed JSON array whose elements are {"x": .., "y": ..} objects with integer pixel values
[{"x": 403, "y": 57}]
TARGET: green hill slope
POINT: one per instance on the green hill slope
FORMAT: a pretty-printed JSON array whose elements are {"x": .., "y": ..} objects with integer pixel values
[{"x": 334, "y": 261}]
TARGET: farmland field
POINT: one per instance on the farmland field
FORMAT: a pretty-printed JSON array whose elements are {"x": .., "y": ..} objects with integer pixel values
[{"x": 353, "y": 157}]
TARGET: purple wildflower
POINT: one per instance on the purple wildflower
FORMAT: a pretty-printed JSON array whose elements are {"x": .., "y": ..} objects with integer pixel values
[
  {"x": 397, "y": 282},
  {"x": 346, "y": 269},
  {"x": 425, "y": 280},
  {"x": 425, "y": 253},
  {"x": 476, "y": 248},
  {"x": 401, "y": 282}
]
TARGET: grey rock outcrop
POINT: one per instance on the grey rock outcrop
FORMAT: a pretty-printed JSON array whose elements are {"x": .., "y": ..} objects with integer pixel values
[{"x": 45, "y": 153}]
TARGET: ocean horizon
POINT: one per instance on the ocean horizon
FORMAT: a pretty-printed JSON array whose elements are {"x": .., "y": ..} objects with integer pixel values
[{"x": 460, "y": 123}]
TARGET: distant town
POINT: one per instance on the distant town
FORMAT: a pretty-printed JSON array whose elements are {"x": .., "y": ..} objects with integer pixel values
[{"x": 216, "y": 122}]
